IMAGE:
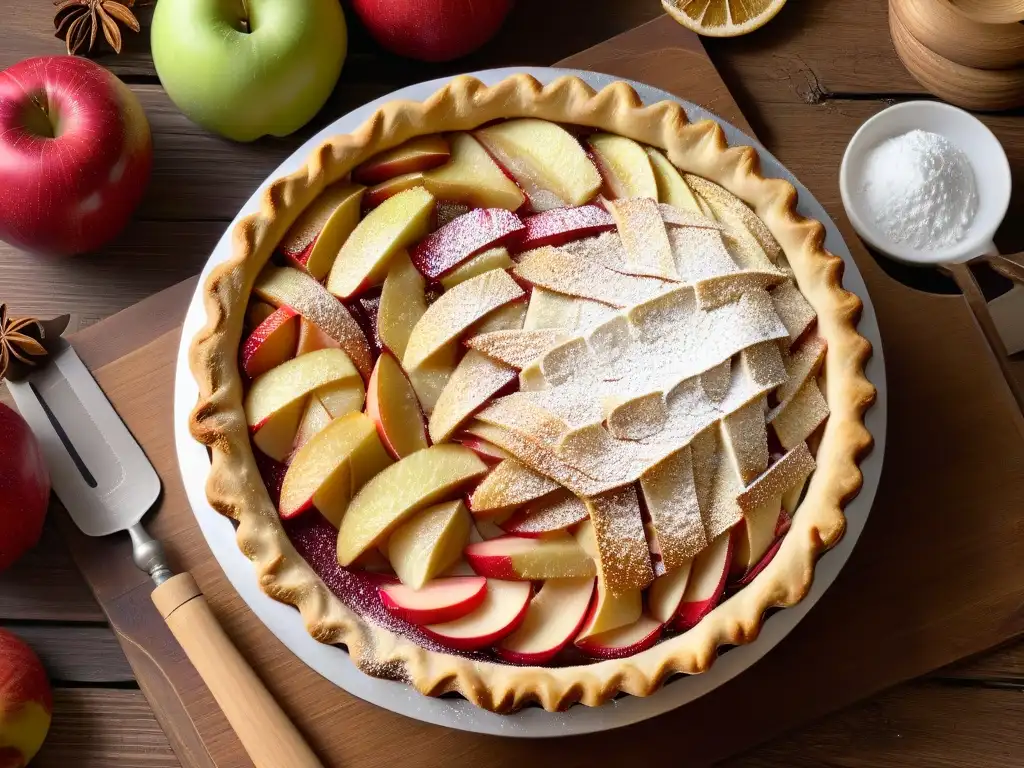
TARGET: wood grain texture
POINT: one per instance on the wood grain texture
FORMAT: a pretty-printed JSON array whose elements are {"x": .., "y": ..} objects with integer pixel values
[
  {"x": 76, "y": 654},
  {"x": 96, "y": 728},
  {"x": 45, "y": 585}
]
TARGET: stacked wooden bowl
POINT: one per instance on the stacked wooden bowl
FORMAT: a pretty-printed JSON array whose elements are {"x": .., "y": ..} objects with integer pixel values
[{"x": 967, "y": 52}]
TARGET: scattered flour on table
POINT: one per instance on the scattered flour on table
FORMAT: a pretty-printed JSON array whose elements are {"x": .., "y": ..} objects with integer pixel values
[{"x": 920, "y": 190}]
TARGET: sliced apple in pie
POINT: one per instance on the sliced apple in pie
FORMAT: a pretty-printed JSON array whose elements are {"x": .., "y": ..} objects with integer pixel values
[
  {"x": 519, "y": 558},
  {"x": 271, "y": 343},
  {"x": 282, "y": 286},
  {"x": 622, "y": 642},
  {"x": 452, "y": 314},
  {"x": 331, "y": 467},
  {"x": 553, "y": 513},
  {"x": 314, "y": 418},
  {"x": 457, "y": 241},
  {"x": 485, "y": 261},
  {"x": 313, "y": 242},
  {"x": 706, "y": 582},
  {"x": 624, "y": 165},
  {"x": 392, "y": 406},
  {"x": 438, "y": 601},
  {"x": 378, "y": 193},
  {"x": 546, "y": 161},
  {"x": 553, "y": 619},
  {"x": 672, "y": 189},
  {"x": 430, "y": 543},
  {"x": 472, "y": 177},
  {"x": 419, "y": 154},
  {"x": 516, "y": 349},
  {"x": 510, "y": 484},
  {"x": 475, "y": 380},
  {"x": 395, "y": 224},
  {"x": 562, "y": 225},
  {"x": 401, "y": 490},
  {"x": 501, "y": 612}
]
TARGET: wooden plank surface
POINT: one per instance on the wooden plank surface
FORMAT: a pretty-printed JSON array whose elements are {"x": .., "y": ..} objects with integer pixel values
[{"x": 806, "y": 80}]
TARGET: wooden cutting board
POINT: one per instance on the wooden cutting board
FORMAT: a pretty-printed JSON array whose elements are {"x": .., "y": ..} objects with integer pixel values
[{"x": 935, "y": 577}]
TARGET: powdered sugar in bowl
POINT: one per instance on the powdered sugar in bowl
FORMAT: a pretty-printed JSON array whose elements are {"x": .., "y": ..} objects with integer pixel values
[{"x": 954, "y": 218}]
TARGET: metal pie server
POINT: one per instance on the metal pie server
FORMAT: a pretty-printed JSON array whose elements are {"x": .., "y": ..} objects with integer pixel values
[{"x": 107, "y": 484}]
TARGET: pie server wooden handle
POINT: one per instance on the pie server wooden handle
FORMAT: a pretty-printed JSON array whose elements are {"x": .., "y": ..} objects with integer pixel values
[{"x": 269, "y": 737}]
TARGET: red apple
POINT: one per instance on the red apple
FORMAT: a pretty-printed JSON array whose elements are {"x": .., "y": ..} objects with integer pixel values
[
  {"x": 75, "y": 155},
  {"x": 439, "y": 601},
  {"x": 24, "y": 487},
  {"x": 26, "y": 703},
  {"x": 432, "y": 30}
]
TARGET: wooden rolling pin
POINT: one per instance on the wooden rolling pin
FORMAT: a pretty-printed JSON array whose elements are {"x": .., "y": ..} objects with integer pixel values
[{"x": 270, "y": 739}]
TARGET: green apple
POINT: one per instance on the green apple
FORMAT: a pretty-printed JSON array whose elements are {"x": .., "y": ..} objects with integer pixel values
[{"x": 248, "y": 68}]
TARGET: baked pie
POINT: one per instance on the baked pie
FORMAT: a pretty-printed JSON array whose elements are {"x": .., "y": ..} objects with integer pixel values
[{"x": 534, "y": 394}]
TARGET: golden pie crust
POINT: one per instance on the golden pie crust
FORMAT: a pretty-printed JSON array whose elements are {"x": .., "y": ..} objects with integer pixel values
[{"x": 236, "y": 489}]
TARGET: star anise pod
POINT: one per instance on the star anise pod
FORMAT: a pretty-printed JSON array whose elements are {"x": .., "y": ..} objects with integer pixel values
[
  {"x": 25, "y": 342},
  {"x": 78, "y": 21}
]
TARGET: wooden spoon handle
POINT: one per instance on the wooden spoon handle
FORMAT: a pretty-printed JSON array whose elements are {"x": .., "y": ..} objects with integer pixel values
[
  {"x": 269, "y": 737},
  {"x": 1010, "y": 266}
]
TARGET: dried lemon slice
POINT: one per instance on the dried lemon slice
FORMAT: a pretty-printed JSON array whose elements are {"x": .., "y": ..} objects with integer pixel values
[{"x": 723, "y": 18}]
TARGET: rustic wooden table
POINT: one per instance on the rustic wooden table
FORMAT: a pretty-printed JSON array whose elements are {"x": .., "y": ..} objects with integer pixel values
[{"x": 805, "y": 82}]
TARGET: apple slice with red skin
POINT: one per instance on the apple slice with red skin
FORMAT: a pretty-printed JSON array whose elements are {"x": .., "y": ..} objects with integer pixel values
[
  {"x": 471, "y": 177},
  {"x": 377, "y": 194},
  {"x": 755, "y": 534},
  {"x": 460, "y": 239},
  {"x": 331, "y": 467},
  {"x": 283, "y": 286},
  {"x": 665, "y": 595},
  {"x": 400, "y": 491},
  {"x": 364, "y": 258},
  {"x": 516, "y": 558},
  {"x": 419, "y": 154},
  {"x": 392, "y": 406},
  {"x": 429, "y": 543},
  {"x": 488, "y": 452},
  {"x": 560, "y": 225},
  {"x": 485, "y": 261},
  {"x": 276, "y": 435},
  {"x": 547, "y": 161},
  {"x": 312, "y": 338},
  {"x": 312, "y": 243},
  {"x": 624, "y": 641},
  {"x": 503, "y": 609},
  {"x": 437, "y": 602},
  {"x": 556, "y": 512},
  {"x": 290, "y": 383},
  {"x": 552, "y": 621},
  {"x": 274, "y": 341},
  {"x": 257, "y": 312},
  {"x": 402, "y": 304},
  {"x": 314, "y": 418},
  {"x": 706, "y": 584}
]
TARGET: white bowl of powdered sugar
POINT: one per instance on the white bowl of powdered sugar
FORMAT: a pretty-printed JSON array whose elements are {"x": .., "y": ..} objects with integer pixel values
[{"x": 926, "y": 183}]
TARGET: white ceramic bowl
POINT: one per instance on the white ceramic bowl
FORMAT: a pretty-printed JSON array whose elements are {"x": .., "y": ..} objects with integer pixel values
[{"x": 963, "y": 130}]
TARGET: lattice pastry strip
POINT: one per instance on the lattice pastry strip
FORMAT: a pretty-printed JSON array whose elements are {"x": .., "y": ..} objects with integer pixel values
[
  {"x": 563, "y": 271},
  {"x": 670, "y": 492},
  {"x": 515, "y": 348},
  {"x": 644, "y": 238},
  {"x": 791, "y": 306},
  {"x": 742, "y": 220},
  {"x": 548, "y": 309},
  {"x": 764, "y": 364},
  {"x": 802, "y": 364},
  {"x": 798, "y": 417},
  {"x": 475, "y": 380},
  {"x": 624, "y": 559},
  {"x": 792, "y": 469},
  {"x": 745, "y": 439},
  {"x": 677, "y": 217}
]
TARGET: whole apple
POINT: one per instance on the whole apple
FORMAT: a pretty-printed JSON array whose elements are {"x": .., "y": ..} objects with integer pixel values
[
  {"x": 248, "y": 68},
  {"x": 24, "y": 488},
  {"x": 26, "y": 702},
  {"x": 75, "y": 155},
  {"x": 432, "y": 30}
]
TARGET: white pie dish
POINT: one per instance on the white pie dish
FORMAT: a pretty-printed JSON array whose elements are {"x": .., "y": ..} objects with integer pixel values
[{"x": 334, "y": 662}]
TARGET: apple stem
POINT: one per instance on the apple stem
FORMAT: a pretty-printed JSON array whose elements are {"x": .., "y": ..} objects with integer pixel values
[{"x": 244, "y": 21}]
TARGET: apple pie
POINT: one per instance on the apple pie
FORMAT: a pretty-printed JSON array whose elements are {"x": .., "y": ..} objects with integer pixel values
[{"x": 532, "y": 393}]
